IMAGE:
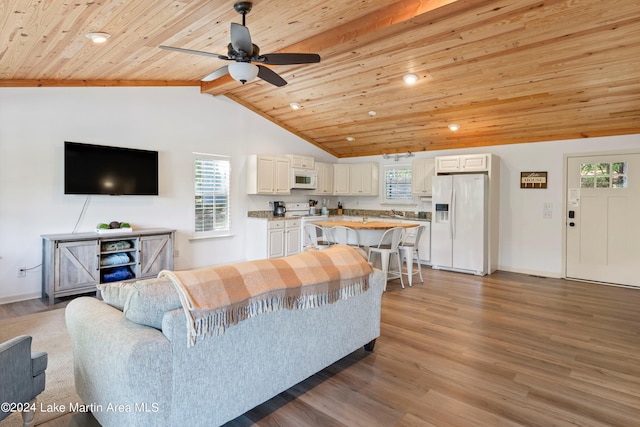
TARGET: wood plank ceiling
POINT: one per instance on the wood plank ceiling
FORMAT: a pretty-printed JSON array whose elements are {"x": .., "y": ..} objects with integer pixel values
[{"x": 506, "y": 71}]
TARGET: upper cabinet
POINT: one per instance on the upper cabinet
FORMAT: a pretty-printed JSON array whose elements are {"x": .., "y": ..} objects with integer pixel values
[
  {"x": 341, "y": 179},
  {"x": 363, "y": 179},
  {"x": 268, "y": 175},
  {"x": 301, "y": 162},
  {"x": 463, "y": 163},
  {"x": 422, "y": 172},
  {"x": 325, "y": 178},
  {"x": 355, "y": 179}
]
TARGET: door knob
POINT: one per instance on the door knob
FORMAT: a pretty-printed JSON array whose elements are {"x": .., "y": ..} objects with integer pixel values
[{"x": 572, "y": 224}]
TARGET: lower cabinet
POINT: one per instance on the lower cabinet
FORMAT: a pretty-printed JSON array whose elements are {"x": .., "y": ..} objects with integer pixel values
[
  {"x": 273, "y": 238},
  {"x": 74, "y": 264}
]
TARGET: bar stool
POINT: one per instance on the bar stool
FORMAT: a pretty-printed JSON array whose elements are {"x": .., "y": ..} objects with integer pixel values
[
  {"x": 317, "y": 236},
  {"x": 410, "y": 253},
  {"x": 342, "y": 235},
  {"x": 387, "y": 250}
]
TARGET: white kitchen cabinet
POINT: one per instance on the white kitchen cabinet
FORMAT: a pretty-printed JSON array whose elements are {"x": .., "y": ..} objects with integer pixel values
[
  {"x": 363, "y": 179},
  {"x": 463, "y": 163},
  {"x": 422, "y": 172},
  {"x": 341, "y": 179},
  {"x": 301, "y": 162},
  {"x": 268, "y": 175},
  {"x": 355, "y": 179},
  {"x": 325, "y": 178},
  {"x": 273, "y": 238},
  {"x": 292, "y": 237}
]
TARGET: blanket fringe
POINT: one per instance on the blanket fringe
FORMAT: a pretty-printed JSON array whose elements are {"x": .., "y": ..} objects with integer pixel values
[{"x": 216, "y": 323}]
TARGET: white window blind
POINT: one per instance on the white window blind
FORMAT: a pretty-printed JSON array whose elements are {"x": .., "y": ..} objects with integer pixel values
[
  {"x": 212, "y": 188},
  {"x": 397, "y": 184}
]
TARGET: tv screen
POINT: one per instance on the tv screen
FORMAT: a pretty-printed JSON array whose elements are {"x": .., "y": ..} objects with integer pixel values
[{"x": 99, "y": 169}]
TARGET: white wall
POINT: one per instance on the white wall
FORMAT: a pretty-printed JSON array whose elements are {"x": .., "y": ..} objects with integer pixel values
[
  {"x": 528, "y": 243},
  {"x": 176, "y": 121},
  {"x": 34, "y": 123}
]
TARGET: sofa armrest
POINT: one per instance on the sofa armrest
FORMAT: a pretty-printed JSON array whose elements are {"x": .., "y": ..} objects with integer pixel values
[
  {"x": 119, "y": 362},
  {"x": 39, "y": 360}
]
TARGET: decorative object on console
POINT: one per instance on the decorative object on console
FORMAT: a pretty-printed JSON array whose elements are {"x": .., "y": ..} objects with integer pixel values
[{"x": 114, "y": 227}]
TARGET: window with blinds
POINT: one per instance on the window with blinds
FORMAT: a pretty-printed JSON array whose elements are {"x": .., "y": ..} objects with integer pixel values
[
  {"x": 397, "y": 184},
  {"x": 212, "y": 187}
]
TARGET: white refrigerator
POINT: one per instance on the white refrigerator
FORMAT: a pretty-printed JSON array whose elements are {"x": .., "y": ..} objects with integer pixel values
[{"x": 459, "y": 223}]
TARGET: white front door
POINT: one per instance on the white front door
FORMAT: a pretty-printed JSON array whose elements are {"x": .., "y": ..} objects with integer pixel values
[{"x": 603, "y": 218}]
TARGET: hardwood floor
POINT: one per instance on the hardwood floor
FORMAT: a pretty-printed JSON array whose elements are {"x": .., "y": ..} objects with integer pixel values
[{"x": 459, "y": 350}]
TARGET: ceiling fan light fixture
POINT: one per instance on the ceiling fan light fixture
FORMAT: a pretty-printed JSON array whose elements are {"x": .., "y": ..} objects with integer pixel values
[
  {"x": 98, "y": 37},
  {"x": 453, "y": 127},
  {"x": 243, "y": 71},
  {"x": 410, "y": 78}
]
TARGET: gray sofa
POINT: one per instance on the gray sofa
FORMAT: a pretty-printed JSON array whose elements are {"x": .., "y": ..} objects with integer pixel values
[{"x": 133, "y": 367}]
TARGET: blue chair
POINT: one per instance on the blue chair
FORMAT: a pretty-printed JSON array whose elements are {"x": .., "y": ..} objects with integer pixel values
[{"x": 21, "y": 376}]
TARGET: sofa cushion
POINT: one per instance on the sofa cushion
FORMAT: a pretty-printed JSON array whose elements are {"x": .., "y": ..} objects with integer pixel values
[
  {"x": 115, "y": 294},
  {"x": 149, "y": 299}
]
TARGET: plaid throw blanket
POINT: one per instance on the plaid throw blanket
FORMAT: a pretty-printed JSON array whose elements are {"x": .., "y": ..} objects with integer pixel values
[{"x": 216, "y": 298}]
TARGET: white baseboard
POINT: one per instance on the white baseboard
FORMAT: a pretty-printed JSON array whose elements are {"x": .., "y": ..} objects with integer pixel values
[
  {"x": 18, "y": 298},
  {"x": 554, "y": 274}
]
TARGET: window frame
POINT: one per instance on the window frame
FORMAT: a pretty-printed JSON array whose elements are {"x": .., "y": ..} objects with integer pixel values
[
  {"x": 409, "y": 199},
  {"x": 212, "y": 232}
]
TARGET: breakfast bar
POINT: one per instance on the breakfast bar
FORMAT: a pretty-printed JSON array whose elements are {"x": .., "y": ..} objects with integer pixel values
[{"x": 370, "y": 233}]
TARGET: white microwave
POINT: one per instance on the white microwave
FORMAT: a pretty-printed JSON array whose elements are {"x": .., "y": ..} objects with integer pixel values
[{"x": 304, "y": 178}]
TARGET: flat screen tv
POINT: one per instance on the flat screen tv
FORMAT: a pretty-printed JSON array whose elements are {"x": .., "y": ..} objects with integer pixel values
[{"x": 99, "y": 169}]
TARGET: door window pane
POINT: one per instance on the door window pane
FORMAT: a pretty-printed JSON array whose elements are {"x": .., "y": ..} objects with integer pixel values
[{"x": 603, "y": 175}]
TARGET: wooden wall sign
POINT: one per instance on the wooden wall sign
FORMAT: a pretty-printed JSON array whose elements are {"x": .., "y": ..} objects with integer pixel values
[{"x": 533, "y": 179}]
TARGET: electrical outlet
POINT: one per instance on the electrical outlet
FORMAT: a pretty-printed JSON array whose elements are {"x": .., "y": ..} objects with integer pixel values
[
  {"x": 176, "y": 253},
  {"x": 22, "y": 271}
]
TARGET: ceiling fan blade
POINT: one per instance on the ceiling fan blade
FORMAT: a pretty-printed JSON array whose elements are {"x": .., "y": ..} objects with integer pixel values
[
  {"x": 241, "y": 39},
  {"x": 216, "y": 74},
  {"x": 270, "y": 76},
  {"x": 290, "y": 58},
  {"x": 195, "y": 52}
]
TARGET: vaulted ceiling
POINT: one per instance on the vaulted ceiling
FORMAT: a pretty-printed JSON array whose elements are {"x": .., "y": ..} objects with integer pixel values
[{"x": 508, "y": 71}]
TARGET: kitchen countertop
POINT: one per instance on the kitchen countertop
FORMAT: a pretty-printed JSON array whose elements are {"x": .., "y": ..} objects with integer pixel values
[
  {"x": 369, "y": 225},
  {"x": 268, "y": 215}
]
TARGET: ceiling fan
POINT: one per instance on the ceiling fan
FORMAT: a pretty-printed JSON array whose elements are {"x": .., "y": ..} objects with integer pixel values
[{"x": 244, "y": 53}]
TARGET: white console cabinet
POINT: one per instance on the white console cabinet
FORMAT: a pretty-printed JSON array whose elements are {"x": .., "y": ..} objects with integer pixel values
[{"x": 75, "y": 263}]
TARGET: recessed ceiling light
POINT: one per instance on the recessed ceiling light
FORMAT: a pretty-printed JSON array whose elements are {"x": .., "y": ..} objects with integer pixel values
[
  {"x": 410, "y": 78},
  {"x": 454, "y": 127},
  {"x": 372, "y": 113},
  {"x": 350, "y": 139},
  {"x": 98, "y": 37},
  {"x": 295, "y": 106}
]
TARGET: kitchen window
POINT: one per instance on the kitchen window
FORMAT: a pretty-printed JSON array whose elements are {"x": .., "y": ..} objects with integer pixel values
[
  {"x": 397, "y": 184},
  {"x": 212, "y": 190}
]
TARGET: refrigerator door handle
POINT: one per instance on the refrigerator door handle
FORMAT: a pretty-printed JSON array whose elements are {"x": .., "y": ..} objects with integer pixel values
[{"x": 452, "y": 213}]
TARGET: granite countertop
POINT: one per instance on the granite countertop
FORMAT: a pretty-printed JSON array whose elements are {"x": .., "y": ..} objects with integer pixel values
[{"x": 409, "y": 216}]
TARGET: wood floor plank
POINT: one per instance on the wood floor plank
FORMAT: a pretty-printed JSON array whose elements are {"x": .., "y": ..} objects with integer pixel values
[{"x": 459, "y": 350}]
